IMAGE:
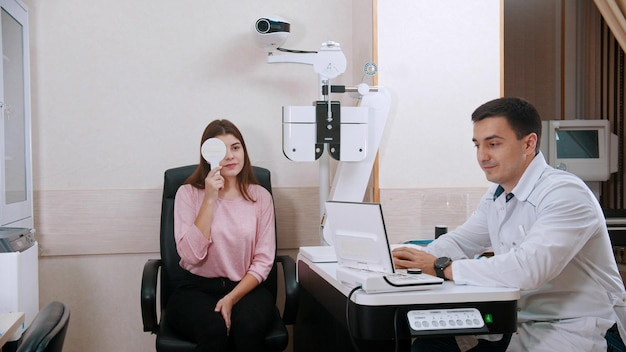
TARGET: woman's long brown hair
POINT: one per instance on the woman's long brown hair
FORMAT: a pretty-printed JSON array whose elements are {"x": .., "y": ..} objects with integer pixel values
[{"x": 245, "y": 178}]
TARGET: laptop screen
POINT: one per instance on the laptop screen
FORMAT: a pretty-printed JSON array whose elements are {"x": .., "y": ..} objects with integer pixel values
[{"x": 358, "y": 233}]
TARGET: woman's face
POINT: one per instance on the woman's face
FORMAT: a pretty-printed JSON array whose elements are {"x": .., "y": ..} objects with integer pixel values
[{"x": 233, "y": 162}]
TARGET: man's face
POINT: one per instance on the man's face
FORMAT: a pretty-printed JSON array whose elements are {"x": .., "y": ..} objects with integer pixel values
[{"x": 500, "y": 154}]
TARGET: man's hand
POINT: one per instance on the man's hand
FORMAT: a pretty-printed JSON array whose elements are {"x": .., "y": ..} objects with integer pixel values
[{"x": 411, "y": 258}]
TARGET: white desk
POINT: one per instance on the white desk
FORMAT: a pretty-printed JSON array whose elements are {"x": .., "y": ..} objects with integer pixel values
[
  {"x": 9, "y": 322},
  {"x": 378, "y": 320}
]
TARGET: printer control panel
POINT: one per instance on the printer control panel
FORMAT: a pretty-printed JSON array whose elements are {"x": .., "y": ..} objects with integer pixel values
[{"x": 16, "y": 239}]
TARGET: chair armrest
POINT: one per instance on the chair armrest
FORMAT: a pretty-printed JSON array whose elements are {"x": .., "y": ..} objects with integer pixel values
[
  {"x": 291, "y": 288},
  {"x": 148, "y": 295}
]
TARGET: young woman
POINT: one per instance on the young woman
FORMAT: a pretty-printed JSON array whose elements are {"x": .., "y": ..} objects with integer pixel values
[{"x": 224, "y": 230}]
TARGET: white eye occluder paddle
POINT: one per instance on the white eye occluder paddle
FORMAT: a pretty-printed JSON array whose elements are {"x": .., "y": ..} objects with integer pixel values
[{"x": 213, "y": 151}]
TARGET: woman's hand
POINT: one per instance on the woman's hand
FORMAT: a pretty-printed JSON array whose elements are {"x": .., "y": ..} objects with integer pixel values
[
  {"x": 213, "y": 183},
  {"x": 225, "y": 307},
  {"x": 411, "y": 258}
]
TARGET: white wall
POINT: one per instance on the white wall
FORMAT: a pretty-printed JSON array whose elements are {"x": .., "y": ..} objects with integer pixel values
[
  {"x": 123, "y": 89},
  {"x": 442, "y": 60}
]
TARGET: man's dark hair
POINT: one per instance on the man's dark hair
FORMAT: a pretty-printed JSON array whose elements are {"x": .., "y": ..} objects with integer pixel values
[{"x": 520, "y": 114}]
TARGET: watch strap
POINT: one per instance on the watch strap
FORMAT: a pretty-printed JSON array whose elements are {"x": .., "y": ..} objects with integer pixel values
[
  {"x": 440, "y": 267},
  {"x": 439, "y": 272}
]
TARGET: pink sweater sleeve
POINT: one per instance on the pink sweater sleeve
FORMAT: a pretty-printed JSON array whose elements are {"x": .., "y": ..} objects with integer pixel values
[
  {"x": 265, "y": 252},
  {"x": 190, "y": 242}
]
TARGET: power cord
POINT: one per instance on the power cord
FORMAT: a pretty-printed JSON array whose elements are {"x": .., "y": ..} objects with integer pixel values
[
  {"x": 395, "y": 323},
  {"x": 354, "y": 345},
  {"x": 395, "y": 330}
]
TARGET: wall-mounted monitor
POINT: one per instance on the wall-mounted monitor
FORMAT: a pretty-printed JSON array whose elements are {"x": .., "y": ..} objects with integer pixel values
[{"x": 586, "y": 148}]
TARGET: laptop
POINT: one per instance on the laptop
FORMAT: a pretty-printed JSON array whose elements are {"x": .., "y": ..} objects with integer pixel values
[{"x": 361, "y": 244}]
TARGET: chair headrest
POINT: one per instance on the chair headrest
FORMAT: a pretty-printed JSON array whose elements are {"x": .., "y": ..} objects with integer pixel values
[
  {"x": 48, "y": 323},
  {"x": 176, "y": 176}
]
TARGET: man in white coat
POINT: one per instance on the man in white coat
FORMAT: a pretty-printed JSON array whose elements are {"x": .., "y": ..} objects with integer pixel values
[{"x": 549, "y": 236}]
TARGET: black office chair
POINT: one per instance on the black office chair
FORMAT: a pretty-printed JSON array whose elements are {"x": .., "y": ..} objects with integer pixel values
[
  {"x": 277, "y": 337},
  {"x": 47, "y": 331}
]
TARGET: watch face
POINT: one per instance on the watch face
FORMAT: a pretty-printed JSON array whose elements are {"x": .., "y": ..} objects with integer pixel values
[{"x": 442, "y": 262}]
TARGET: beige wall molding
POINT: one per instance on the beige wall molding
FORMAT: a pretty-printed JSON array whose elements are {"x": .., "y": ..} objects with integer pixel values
[
  {"x": 93, "y": 222},
  {"x": 79, "y": 222}
]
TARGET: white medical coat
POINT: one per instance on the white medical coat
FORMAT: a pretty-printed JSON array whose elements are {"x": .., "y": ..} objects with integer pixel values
[{"x": 550, "y": 241}]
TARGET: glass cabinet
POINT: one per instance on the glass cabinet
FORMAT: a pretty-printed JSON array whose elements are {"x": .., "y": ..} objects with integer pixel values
[{"x": 16, "y": 204}]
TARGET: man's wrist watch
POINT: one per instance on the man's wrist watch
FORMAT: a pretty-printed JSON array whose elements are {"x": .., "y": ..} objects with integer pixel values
[{"x": 440, "y": 264}]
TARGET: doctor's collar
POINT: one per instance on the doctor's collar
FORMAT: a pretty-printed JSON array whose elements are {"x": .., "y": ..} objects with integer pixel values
[{"x": 499, "y": 192}]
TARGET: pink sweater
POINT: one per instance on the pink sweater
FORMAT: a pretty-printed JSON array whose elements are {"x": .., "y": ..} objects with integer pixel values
[{"x": 242, "y": 235}]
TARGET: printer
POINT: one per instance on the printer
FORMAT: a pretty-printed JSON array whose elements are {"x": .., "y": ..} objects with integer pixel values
[{"x": 16, "y": 239}]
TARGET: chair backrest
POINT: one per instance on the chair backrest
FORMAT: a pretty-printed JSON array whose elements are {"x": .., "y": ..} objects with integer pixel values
[
  {"x": 171, "y": 272},
  {"x": 47, "y": 331}
]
